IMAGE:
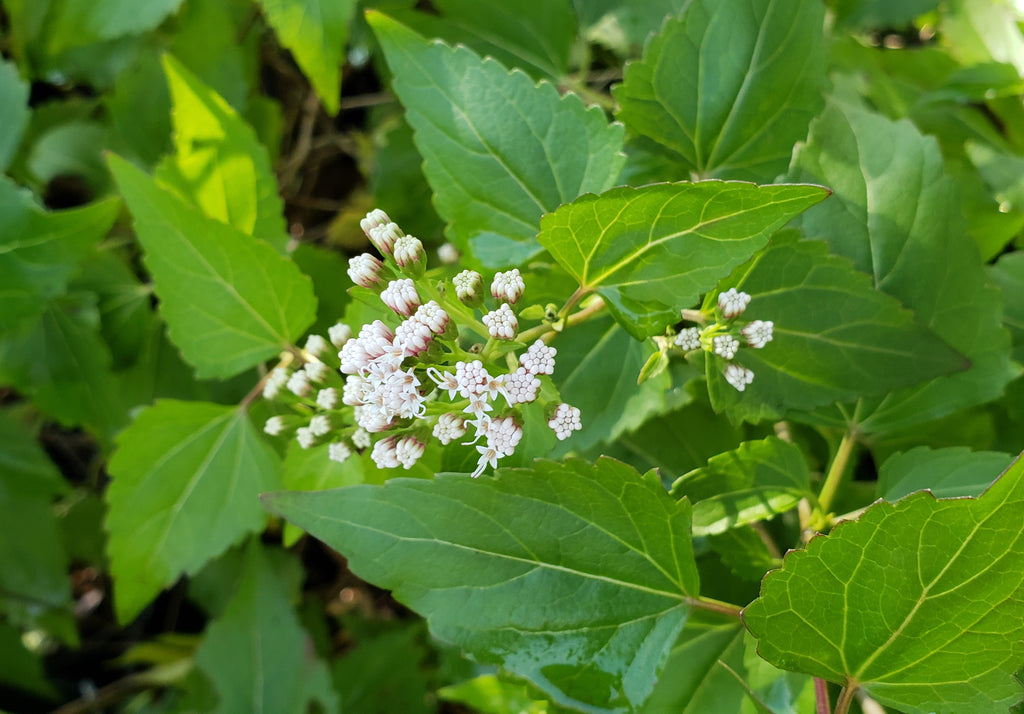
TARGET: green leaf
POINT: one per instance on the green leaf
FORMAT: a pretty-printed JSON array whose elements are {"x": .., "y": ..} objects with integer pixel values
[
  {"x": 601, "y": 352},
  {"x": 653, "y": 250},
  {"x": 219, "y": 165},
  {"x": 578, "y": 577},
  {"x": 755, "y": 482},
  {"x": 312, "y": 470},
  {"x": 1008, "y": 274},
  {"x": 186, "y": 477},
  {"x": 624, "y": 26},
  {"x": 730, "y": 85},
  {"x": 316, "y": 32},
  {"x": 20, "y": 668},
  {"x": 279, "y": 671},
  {"x": 229, "y": 300},
  {"x": 39, "y": 251},
  {"x": 385, "y": 674},
  {"x": 1003, "y": 172},
  {"x": 489, "y": 694},
  {"x": 835, "y": 336},
  {"x": 535, "y": 36},
  {"x": 14, "y": 111},
  {"x": 79, "y": 23},
  {"x": 499, "y": 151},
  {"x": 897, "y": 216},
  {"x": 950, "y": 472},
  {"x": 983, "y": 31},
  {"x": 920, "y": 603},
  {"x": 881, "y": 14}
]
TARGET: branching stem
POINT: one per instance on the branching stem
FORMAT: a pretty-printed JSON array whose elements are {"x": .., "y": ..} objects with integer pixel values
[
  {"x": 845, "y": 699},
  {"x": 711, "y": 605}
]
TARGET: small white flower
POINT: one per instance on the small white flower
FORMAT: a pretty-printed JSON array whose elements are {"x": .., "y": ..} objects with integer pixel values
[
  {"x": 408, "y": 251},
  {"x": 408, "y": 450},
  {"x": 298, "y": 384},
  {"x": 758, "y": 333},
  {"x": 449, "y": 427},
  {"x": 316, "y": 371},
  {"x": 339, "y": 334},
  {"x": 445, "y": 380},
  {"x": 502, "y": 323},
  {"x": 400, "y": 296},
  {"x": 508, "y": 286},
  {"x": 520, "y": 387},
  {"x": 488, "y": 456},
  {"x": 738, "y": 376},
  {"x": 338, "y": 451},
  {"x": 565, "y": 421},
  {"x": 361, "y": 438},
  {"x": 448, "y": 253},
  {"x": 468, "y": 285},
  {"x": 319, "y": 425},
  {"x": 384, "y": 237},
  {"x": 373, "y": 219},
  {"x": 364, "y": 270},
  {"x": 732, "y": 303},
  {"x": 357, "y": 390},
  {"x": 328, "y": 398},
  {"x": 274, "y": 426},
  {"x": 539, "y": 358},
  {"x": 477, "y": 405},
  {"x": 726, "y": 346},
  {"x": 384, "y": 455},
  {"x": 305, "y": 437},
  {"x": 688, "y": 339},
  {"x": 433, "y": 316}
]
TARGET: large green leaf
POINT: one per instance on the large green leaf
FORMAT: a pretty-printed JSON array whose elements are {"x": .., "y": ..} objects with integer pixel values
[
  {"x": 578, "y": 577},
  {"x": 219, "y": 165},
  {"x": 653, "y": 250},
  {"x": 921, "y": 603},
  {"x": 14, "y": 111},
  {"x": 39, "y": 251},
  {"x": 1008, "y": 274},
  {"x": 730, "y": 85},
  {"x": 896, "y": 215},
  {"x": 228, "y": 299},
  {"x": 949, "y": 472},
  {"x": 835, "y": 336},
  {"x": 83, "y": 22},
  {"x": 752, "y": 483},
  {"x": 256, "y": 653},
  {"x": 185, "y": 481},
  {"x": 316, "y": 32},
  {"x": 499, "y": 151}
]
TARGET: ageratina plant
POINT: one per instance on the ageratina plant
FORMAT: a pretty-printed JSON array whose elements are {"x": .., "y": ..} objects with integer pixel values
[{"x": 441, "y": 372}]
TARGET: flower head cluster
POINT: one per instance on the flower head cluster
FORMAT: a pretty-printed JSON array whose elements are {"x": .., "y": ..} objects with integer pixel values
[
  {"x": 725, "y": 337},
  {"x": 406, "y": 378}
]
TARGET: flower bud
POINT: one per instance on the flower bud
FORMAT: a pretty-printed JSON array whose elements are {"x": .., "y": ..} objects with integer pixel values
[
  {"x": 373, "y": 219},
  {"x": 508, "y": 286},
  {"x": 339, "y": 334},
  {"x": 384, "y": 237},
  {"x": 739, "y": 377},
  {"x": 365, "y": 270},
  {"x": 469, "y": 287},
  {"x": 502, "y": 323},
  {"x": 732, "y": 303},
  {"x": 410, "y": 256},
  {"x": 448, "y": 254},
  {"x": 758, "y": 333},
  {"x": 400, "y": 296}
]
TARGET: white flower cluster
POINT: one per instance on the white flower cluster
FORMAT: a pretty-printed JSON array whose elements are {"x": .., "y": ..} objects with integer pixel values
[
  {"x": 721, "y": 339},
  {"x": 379, "y": 380}
]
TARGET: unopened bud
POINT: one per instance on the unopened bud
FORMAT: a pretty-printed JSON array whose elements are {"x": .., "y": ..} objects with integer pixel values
[
  {"x": 410, "y": 256},
  {"x": 365, "y": 270},
  {"x": 373, "y": 219},
  {"x": 508, "y": 286},
  {"x": 732, "y": 303},
  {"x": 384, "y": 237},
  {"x": 469, "y": 286}
]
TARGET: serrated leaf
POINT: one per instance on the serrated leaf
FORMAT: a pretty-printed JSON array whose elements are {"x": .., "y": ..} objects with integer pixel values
[
  {"x": 40, "y": 250},
  {"x": 219, "y": 164},
  {"x": 316, "y": 32},
  {"x": 920, "y": 603},
  {"x": 499, "y": 151},
  {"x": 835, "y": 336},
  {"x": 1008, "y": 274},
  {"x": 949, "y": 472},
  {"x": 600, "y": 543},
  {"x": 14, "y": 111},
  {"x": 186, "y": 476},
  {"x": 755, "y": 482},
  {"x": 650, "y": 251},
  {"x": 729, "y": 86},
  {"x": 229, "y": 300},
  {"x": 896, "y": 215},
  {"x": 279, "y": 671}
]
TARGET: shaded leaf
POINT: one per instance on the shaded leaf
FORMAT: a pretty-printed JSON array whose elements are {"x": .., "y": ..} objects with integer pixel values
[
  {"x": 730, "y": 85},
  {"x": 316, "y": 32},
  {"x": 489, "y": 694},
  {"x": 755, "y": 482},
  {"x": 608, "y": 548},
  {"x": 950, "y": 472},
  {"x": 835, "y": 336},
  {"x": 14, "y": 111},
  {"x": 20, "y": 668},
  {"x": 39, "y": 250},
  {"x": 624, "y": 27},
  {"x": 385, "y": 674},
  {"x": 499, "y": 151},
  {"x": 185, "y": 480},
  {"x": 920, "y": 603},
  {"x": 1008, "y": 274},
  {"x": 653, "y": 250},
  {"x": 881, "y": 14},
  {"x": 85, "y": 22},
  {"x": 229, "y": 300}
]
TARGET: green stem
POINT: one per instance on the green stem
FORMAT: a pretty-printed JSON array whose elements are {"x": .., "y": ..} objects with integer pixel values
[
  {"x": 712, "y": 605},
  {"x": 836, "y": 472},
  {"x": 546, "y": 331},
  {"x": 845, "y": 699}
]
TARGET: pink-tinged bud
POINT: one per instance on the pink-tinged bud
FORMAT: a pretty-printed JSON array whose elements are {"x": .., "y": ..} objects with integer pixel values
[
  {"x": 410, "y": 256},
  {"x": 400, "y": 296},
  {"x": 508, "y": 286},
  {"x": 758, "y": 333},
  {"x": 365, "y": 270},
  {"x": 469, "y": 286},
  {"x": 408, "y": 450},
  {"x": 449, "y": 427},
  {"x": 732, "y": 303},
  {"x": 433, "y": 316},
  {"x": 384, "y": 237},
  {"x": 373, "y": 219}
]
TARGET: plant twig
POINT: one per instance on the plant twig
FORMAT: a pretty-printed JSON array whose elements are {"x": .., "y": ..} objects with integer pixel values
[
  {"x": 711, "y": 605},
  {"x": 821, "y": 702},
  {"x": 846, "y": 698}
]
